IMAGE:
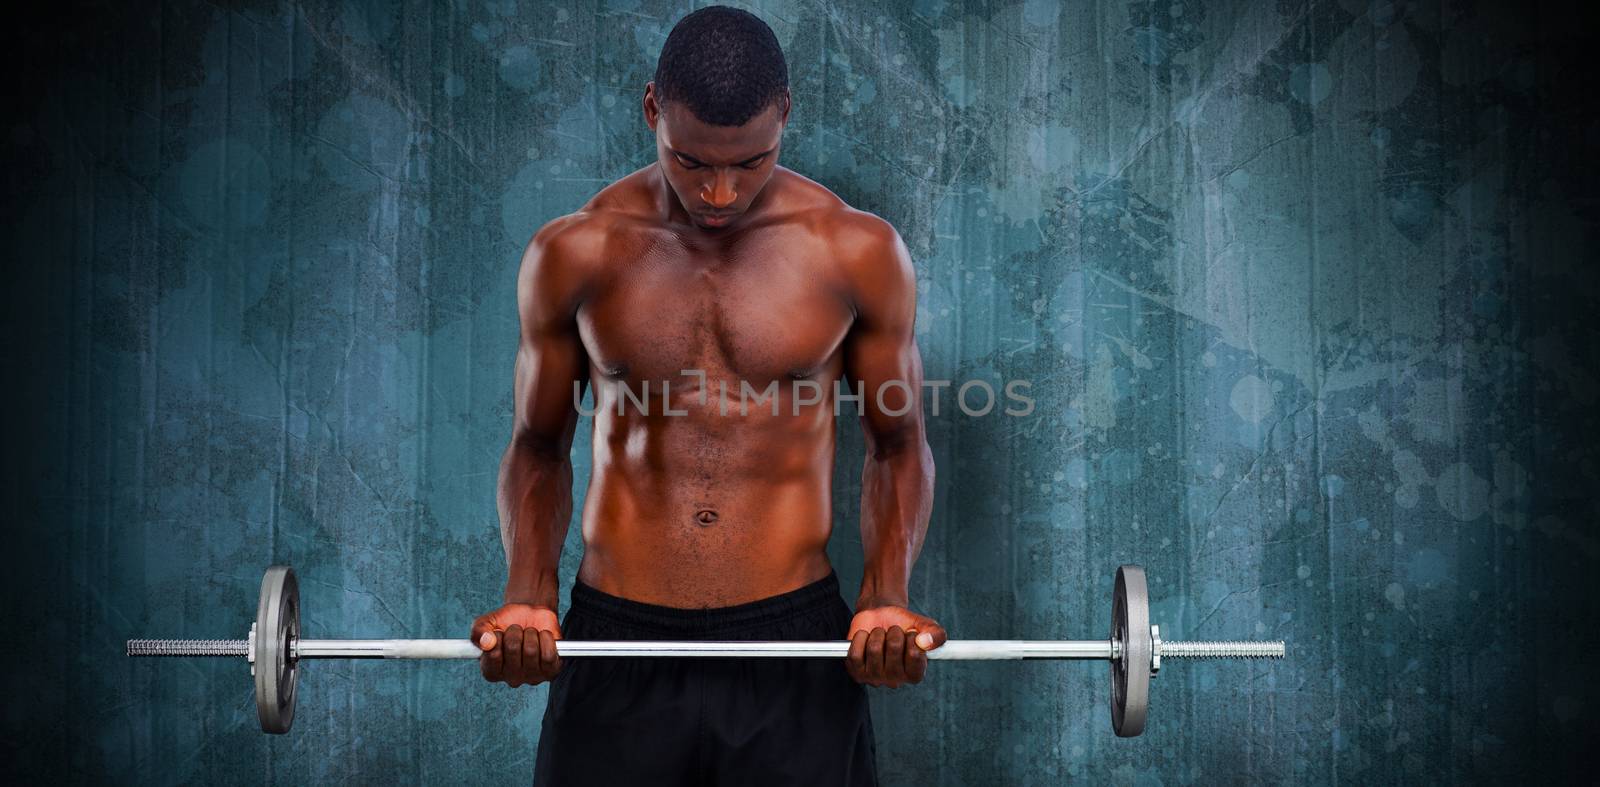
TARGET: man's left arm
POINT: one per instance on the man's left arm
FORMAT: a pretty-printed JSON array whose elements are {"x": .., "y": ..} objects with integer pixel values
[{"x": 888, "y": 641}]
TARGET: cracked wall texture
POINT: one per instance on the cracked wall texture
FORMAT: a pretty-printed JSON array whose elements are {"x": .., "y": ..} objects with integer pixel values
[{"x": 1304, "y": 291}]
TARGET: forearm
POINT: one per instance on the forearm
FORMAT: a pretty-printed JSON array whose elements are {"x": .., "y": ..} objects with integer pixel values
[
  {"x": 535, "y": 501},
  {"x": 896, "y": 500}
]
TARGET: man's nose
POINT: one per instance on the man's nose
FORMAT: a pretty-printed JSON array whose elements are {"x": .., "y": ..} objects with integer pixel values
[{"x": 719, "y": 193}]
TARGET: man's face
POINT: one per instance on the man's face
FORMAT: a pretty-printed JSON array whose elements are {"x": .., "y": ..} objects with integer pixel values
[{"x": 716, "y": 171}]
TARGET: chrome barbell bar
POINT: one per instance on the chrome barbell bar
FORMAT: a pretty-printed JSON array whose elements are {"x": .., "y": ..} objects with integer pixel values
[{"x": 954, "y": 650}]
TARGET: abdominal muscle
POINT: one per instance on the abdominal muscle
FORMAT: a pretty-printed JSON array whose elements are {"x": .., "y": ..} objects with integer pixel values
[{"x": 708, "y": 510}]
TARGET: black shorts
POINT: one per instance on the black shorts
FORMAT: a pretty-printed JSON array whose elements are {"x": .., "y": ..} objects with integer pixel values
[{"x": 706, "y": 721}]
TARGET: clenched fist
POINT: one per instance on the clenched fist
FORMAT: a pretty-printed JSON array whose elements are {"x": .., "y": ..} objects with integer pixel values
[
  {"x": 519, "y": 644},
  {"x": 889, "y": 645}
]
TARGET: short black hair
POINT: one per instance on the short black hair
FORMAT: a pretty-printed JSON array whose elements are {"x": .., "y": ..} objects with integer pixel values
[{"x": 724, "y": 64}]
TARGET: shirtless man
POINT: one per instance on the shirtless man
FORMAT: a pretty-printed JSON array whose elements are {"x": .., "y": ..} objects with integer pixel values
[{"x": 680, "y": 293}]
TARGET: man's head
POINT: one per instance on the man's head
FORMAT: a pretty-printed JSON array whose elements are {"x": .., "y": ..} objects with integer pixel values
[{"x": 718, "y": 105}]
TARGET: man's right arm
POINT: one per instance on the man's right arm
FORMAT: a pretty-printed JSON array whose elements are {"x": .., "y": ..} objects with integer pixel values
[
  {"x": 535, "y": 496},
  {"x": 535, "y": 485}
]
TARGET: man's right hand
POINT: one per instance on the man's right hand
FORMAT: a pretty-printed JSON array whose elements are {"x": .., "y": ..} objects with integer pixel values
[{"x": 519, "y": 644}]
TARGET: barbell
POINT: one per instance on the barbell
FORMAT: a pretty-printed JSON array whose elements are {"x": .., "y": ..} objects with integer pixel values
[{"x": 274, "y": 649}]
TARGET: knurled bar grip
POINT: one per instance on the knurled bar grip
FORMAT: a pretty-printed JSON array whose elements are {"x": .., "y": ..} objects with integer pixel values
[
  {"x": 188, "y": 647},
  {"x": 1226, "y": 649}
]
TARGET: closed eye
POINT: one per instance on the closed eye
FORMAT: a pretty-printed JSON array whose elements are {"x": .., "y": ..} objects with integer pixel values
[{"x": 750, "y": 163}]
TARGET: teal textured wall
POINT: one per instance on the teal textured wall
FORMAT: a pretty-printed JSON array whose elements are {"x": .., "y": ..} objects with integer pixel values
[{"x": 1304, "y": 290}]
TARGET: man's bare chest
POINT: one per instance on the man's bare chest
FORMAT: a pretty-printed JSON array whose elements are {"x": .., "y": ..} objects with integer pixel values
[{"x": 759, "y": 309}]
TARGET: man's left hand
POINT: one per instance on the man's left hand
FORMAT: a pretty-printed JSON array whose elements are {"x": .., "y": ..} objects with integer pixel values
[{"x": 889, "y": 645}]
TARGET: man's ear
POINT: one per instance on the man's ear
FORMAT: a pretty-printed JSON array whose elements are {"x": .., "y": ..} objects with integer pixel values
[
  {"x": 787, "y": 103},
  {"x": 652, "y": 109}
]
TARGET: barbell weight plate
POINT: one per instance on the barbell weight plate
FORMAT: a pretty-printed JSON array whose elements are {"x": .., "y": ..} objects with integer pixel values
[
  {"x": 277, "y": 627},
  {"x": 1130, "y": 673}
]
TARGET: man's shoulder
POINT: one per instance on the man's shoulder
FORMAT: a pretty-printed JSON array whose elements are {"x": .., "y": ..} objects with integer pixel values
[
  {"x": 566, "y": 257},
  {"x": 861, "y": 236},
  {"x": 867, "y": 248},
  {"x": 849, "y": 232},
  {"x": 859, "y": 240},
  {"x": 582, "y": 234},
  {"x": 557, "y": 256},
  {"x": 573, "y": 238},
  {"x": 581, "y": 242}
]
